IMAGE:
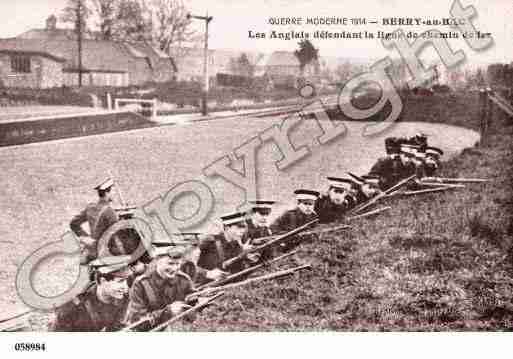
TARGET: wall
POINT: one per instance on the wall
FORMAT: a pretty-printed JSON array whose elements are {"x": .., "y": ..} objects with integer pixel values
[
  {"x": 44, "y": 73},
  {"x": 51, "y": 73},
  {"x": 21, "y": 132}
]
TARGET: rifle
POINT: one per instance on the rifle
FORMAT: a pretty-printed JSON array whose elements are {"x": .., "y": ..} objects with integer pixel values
[
  {"x": 278, "y": 239},
  {"x": 370, "y": 213},
  {"x": 432, "y": 184},
  {"x": 245, "y": 271},
  {"x": 455, "y": 180},
  {"x": 381, "y": 195},
  {"x": 422, "y": 191},
  {"x": 313, "y": 231},
  {"x": 274, "y": 275},
  {"x": 201, "y": 304},
  {"x": 125, "y": 209},
  {"x": 193, "y": 309}
]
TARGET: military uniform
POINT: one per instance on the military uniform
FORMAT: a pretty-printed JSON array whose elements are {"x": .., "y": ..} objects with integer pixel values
[
  {"x": 216, "y": 249},
  {"x": 331, "y": 212},
  {"x": 287, "y": 222},
  {"x": 430, "y": 169},
  {"x": 391, "y": 170},
  {"x": 151, "y": 294},
  {"x": 361, "y": 196},
  {"x": 255, "y": 232},
  {"x": 100, "y": 216},
  {"x": 87, "y": 313},
  {"x": 291, "y": 220},
  {"x": 359, "y": 182},
  {"x": 432, "y": 161}
]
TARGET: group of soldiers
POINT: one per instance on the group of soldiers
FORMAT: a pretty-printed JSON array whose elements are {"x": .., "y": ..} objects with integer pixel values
[{"x": 158, "y": 286}]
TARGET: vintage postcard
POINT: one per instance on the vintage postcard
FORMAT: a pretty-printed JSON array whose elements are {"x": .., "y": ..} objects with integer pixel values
[{"x": 242, "y": 166}]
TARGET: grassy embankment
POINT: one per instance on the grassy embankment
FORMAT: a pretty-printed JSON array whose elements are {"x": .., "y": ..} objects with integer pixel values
[{"x": 435, "y": 262}]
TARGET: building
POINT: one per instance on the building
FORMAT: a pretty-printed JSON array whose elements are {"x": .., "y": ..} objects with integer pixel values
[
  {"x": 284, "y": 69},
  {"x": 50, "y": 32},
  {"x": 44, "y": 58},
  {"x": 279, "y": 64},
  {"x": 190, "y": 62}
]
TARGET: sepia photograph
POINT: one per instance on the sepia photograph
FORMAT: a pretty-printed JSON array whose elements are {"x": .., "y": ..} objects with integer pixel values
[{"x": 239, "y": 166}]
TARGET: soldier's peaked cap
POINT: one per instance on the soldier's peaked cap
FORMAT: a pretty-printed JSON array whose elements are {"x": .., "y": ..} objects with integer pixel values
[
  {"x": 105, "y": 185},
  {"x": 233, "y": 218},
  {"x": 116, "y": 266},
  {"x": 162, "y": 242},
  {"x": 306, "y": 194},
  {"x": 171, "y": 251},
  {"x": 262, "y": 204},
  {"x": 421, "y": 135},
  {"x": 434, "y": 151},
  {"x": 357, "y": 178},
  {"x": 343, "y": 183}
]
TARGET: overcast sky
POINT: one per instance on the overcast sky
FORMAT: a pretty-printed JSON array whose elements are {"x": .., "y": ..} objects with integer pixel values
[{"x": 233, "y": 19}]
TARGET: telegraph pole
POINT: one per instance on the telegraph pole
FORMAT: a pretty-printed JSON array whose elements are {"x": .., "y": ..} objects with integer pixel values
[
  {"x": 79, "y": 37},
  {"x": 204, "y": 96}
]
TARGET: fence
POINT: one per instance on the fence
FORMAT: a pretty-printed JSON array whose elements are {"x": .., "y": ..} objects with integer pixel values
[
  {"x": 487, "y": 99},
  {"x": 153, "y": 104}
]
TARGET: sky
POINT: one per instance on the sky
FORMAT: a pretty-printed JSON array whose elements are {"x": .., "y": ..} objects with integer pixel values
[{"x": 234, "y": 19}]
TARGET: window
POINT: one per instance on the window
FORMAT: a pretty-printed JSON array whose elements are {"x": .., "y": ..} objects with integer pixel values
[{"x": 20, "y": 64}]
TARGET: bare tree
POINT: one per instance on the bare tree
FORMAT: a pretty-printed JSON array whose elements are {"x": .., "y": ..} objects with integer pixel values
[
  {"x": 133, "y": 21},
  {"x": 77, "y": 13},
  {"x": 171, "y": 27},
  {"x": 105, "y": 11}
]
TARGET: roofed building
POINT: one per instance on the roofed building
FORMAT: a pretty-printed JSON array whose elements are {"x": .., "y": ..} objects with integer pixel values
[{"x": 49, "y": 58}]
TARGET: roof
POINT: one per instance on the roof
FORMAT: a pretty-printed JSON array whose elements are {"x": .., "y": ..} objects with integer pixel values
[
  {"x": 134, "y": 52},
  {"x": 282, "y": 58},
  {"x": 49, "y": 34},
  {"x": 157, "y": 57},
  {"x": 102, "y": 56},
  {"x": 97, "y": 55}
]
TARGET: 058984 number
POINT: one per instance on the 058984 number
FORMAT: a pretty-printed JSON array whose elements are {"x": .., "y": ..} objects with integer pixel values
[{"x": 30, "y": 347}]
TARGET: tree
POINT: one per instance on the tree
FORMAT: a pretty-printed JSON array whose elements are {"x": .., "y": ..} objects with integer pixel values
[
  {"x": 241, "y": 66},
  {"x": 306, "y": 54},
  {"x": 105, "y": 11},
  {"x": 170, "y": 23},
  {"x": 133, "y": 21},
  {"x": 496, "y": 74},
  {"x": 77, "y": 13},
  {"x": 480, "y": 80}
]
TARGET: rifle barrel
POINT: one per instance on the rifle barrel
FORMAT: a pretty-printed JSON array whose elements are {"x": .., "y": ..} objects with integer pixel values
[
  {"x": 456, "y": 180},
  {"x": 248, "y": 281},
  {"x": 370, "y": 213},
  {"x": 245, "y": 271},
  {"x": 411, "y": 193},
  {"x": 381, "y": 195},
  {"x": 437, "y": 184},
  {"x": 186, "y": 313},
  {"x": 278, "y": 239}
]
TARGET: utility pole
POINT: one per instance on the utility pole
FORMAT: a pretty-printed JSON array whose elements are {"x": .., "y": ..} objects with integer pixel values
[
  {"x": 79, "y": 37},
  {"x": 207, "y": 19}
]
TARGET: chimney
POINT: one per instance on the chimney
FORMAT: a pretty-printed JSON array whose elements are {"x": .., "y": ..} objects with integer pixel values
[{"x": 51, "y": 23}]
